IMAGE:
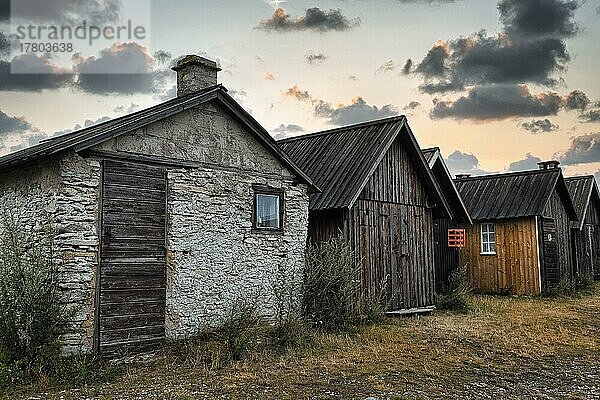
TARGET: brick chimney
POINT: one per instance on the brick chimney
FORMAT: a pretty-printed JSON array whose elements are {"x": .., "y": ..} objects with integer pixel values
[
  {"x": 553, "y": 164},
  {"x": 195, "y": 73}
]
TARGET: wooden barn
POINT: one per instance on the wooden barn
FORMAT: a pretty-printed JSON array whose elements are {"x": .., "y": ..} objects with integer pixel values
[
  {"x": 165, "y": 218},
  {"x": 376, "y": 189},
  {"x": 585, "y": 234},
  {"x": 520, "y": 240},
  {"x": 447, "y": 258}
]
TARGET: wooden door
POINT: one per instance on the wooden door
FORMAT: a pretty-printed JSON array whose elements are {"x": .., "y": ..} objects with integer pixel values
[
  {"x": 131, "y": 315},
  {"x": 550, "y": 251}
]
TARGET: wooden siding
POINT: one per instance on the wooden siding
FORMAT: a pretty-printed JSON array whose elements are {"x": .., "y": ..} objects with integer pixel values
[
  {"x": 324, "y": 225},
  {"x": 394, "y": 243},
  {"x": 556, "y": 211},
  {"x": 132, "y": 294},
  {"x": 514, "y": 269},
  {"x": 391, "y": 231},
  {"x": 446, "y": 259}
]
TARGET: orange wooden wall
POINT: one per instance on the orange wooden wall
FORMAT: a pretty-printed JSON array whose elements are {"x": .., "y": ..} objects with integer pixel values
[{"x": 515, "y": 268}]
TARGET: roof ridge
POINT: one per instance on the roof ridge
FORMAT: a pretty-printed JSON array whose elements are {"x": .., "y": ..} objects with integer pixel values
[
  {"x": 571, "y": 178},
  {"x": 343, "y": 128},
  {"x": 508, "y": 174}
]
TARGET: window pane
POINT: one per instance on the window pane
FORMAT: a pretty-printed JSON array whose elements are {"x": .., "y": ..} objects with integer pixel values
[
  {"x": 267, "y": 211},
  {"x": 492, "y": 247}
]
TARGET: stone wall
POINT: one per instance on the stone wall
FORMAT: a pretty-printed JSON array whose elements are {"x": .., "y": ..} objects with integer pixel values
[
  {"x": 215, "y": 259},
  {"x": 62, "y": 191}
]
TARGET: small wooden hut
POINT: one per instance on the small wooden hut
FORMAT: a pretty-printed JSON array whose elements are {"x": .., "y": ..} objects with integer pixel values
[
  {"x": 520, "y": 240},
  {"x": 447, "y": 259},
  {"x": 585, "y": 234},
  {"x": 378, "y": 190}
]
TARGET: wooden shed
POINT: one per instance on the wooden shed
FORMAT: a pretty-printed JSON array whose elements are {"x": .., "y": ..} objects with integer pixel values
[
  {"x": 447, "y": 259},
  {"x": 585, "y": 234},
  {"x": 378, "y": 190},
  {"x": 520, "y": 240}
]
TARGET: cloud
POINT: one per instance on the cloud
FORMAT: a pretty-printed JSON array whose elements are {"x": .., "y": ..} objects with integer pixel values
[
  {"x": 315, "y": 58},
  {"x": 590, "y": 116},
  {"x": 283, "y": 131},
  {"x": 33, "y": 74},
  {"x": 315, "y": 19},
  {"x": 388, "y": 66},
  {"x": 583, "y": 149},
  {"x": 408, "y": 65},
  {"x": 528, "y": 163},
  {"x": 268, "y": 76},
  {"x": 463, "y": 163},
  {"x": 298, "y": 94},
  {"x": 498, "y": 102},
  {"x": 577, "y": 100},
  {"x": 126, "y": 109},
  {"x": 529, "y": 49},
  {"x": 357, "y": 111},
  {"x": 10, "y": 124},
  {"x": 17, "y": 133},
  {"x": 123, "y": 68},
  {"x": 538, "y": 18},
  {"x": 539, "y": 126},
  {"x": 412, "y": 105},
  {"x": 86, "y": 124},
  {"x": 61, "y": 11}
]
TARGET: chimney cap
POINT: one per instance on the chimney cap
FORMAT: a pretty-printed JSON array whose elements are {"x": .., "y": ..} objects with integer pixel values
[
  {"x": 552, "y": 164},
  {"x": 192, "y": 59}
]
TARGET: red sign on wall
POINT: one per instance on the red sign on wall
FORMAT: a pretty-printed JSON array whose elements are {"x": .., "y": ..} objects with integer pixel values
[{"x": 457, "y": 238}]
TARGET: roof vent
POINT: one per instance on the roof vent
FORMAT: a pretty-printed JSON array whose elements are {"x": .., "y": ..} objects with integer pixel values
[
  {"x": 195, "y": 73},
  {"x": 553, "y": 164},
  {"x": 462, "y": 176}
]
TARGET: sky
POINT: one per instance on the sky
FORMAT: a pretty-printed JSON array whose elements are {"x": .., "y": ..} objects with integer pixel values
[{"x": 498, "y": 85}]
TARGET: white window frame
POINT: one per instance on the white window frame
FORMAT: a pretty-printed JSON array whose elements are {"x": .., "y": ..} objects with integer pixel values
[
  {"x": 278, "y": 195},
  {"x": 488, "y": 246}
]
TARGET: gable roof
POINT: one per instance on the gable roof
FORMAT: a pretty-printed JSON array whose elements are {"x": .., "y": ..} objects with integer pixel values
[
  {"x": 582, "y": 189},
  {"x": 440, "y": 170},
  {"x": 86, "y": 138},
  {"x": 513, "y": 195},
  {"x": 342, "y": 160}
]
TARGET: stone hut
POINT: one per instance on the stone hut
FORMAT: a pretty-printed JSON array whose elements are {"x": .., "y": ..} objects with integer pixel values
[{"x": 165, "y": 217}]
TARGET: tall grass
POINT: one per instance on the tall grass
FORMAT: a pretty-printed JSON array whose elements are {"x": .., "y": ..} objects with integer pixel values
[
  {"x": 456, "y": 292},
  {"x": 332, "y": 297}
]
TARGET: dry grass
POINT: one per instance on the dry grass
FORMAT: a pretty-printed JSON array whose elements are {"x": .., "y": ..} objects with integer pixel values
[{"x": 505, "y": 347}]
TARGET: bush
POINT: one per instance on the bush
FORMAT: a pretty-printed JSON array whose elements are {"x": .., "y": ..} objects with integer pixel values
[
  {"x": 580, "y": 285},
  {"x": 331, "y": 295},
  {"x": 454, "y": 295},
  {"x": 32, "y": 316}
]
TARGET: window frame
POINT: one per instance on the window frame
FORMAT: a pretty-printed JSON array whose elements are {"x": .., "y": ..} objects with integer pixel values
[
  {"x": 487, "y": 242},
  {"x": 267, "y": 191}
]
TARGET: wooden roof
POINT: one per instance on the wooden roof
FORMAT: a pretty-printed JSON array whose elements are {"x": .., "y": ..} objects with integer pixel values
[
  {"x": 582, "y": 190},
  {"x": 84, "y": 139},
  {"x": 440, "y": 170},
  {"x": 513, "y": 195},
  {"x": 341, "y": 161}
]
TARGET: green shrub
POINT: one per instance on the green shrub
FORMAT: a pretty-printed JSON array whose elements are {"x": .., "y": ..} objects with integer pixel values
[
  {"x": 578, "y": 286},
  {"x": 455, "y": 294},
  {"x": 332, "y": 298}
]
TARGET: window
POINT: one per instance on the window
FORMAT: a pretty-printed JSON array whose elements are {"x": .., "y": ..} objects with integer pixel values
[
  {"x": 268, "y": 210},
  {"x": 488, "y": 239}
]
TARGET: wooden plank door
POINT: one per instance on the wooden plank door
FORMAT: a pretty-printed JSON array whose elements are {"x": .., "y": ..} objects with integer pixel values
[
  {"x": 550, "y": 251},
  {"x": 131, "y": 312}
]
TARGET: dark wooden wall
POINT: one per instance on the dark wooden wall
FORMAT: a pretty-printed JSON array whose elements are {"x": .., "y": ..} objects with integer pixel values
[
  {"x": 132, "y": 281},
  {"x": 586, "y": 243},
  {"x": 391, "y": 231},
  {"x": 556, "y": 211},
  {"x": 446, "y": 259}
]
